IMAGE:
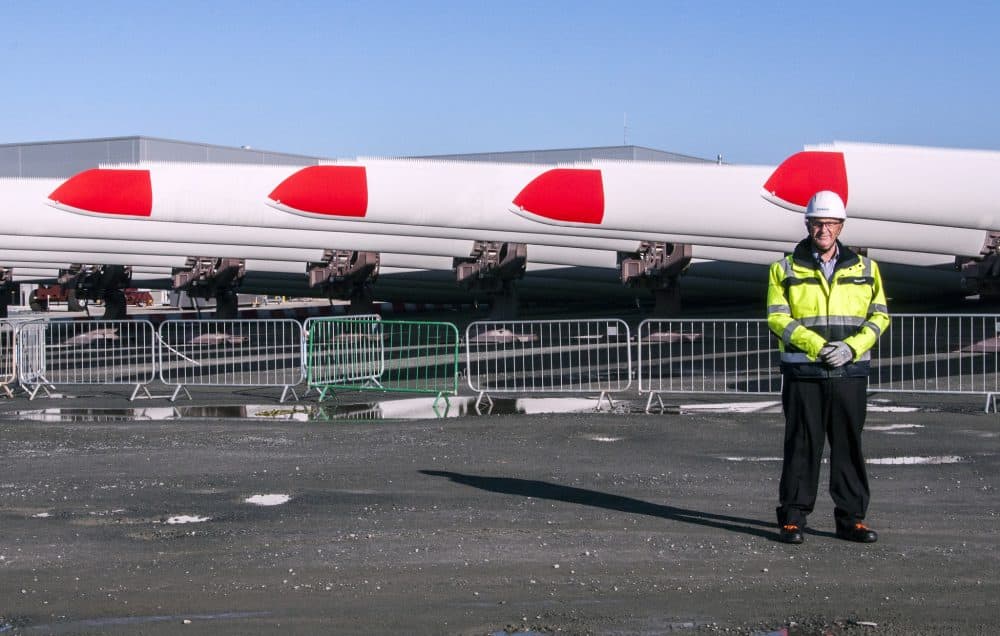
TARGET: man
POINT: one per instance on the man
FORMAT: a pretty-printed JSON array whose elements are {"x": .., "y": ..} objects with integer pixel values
[{"x": 827, "y": 307}]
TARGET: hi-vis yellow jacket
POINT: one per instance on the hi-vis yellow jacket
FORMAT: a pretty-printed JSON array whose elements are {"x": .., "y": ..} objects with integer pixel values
[{"x": 805, "y": 311}]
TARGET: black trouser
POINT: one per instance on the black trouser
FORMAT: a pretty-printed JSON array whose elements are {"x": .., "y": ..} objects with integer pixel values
[{"x": 833, "y": 408}]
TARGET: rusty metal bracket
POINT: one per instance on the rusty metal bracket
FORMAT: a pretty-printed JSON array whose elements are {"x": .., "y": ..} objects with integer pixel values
[
  {"x": 344, "y": 274},
  {"x": 491, "y": 265},
  {"x": 982, "y": 275},
  {"x": 92, "y": 282},
  {"x": 654, "y": 265},
  {"x": 207, "y": 276}
]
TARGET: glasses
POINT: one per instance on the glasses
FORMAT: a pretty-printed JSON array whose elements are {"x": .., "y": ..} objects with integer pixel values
[{"x": 819, "y": 225}]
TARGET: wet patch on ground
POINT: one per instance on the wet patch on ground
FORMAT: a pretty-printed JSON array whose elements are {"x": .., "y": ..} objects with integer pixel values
[{"x": 390, "y": 409}]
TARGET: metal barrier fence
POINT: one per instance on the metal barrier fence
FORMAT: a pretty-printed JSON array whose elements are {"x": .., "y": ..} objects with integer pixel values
[
  {"x": 29, "y": 351},
  {"x": 706, "y": 356},
  {"x": 955, "y": 353},
  {"x": 244, "y": 353},
  {"x": 104, "y": 352},
  {"x": 919, "y": 354},
  {"x": 548, "y": 356},
  {"x": 306, "y": 325},
  {"x": 8, "y": 357},
  {"x": 383, "y": 355},
  {"x": 345, "y": 352}
]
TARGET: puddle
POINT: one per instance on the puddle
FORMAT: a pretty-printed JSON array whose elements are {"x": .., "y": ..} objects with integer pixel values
[
  {"x": 424, "y": 408},
  {"x": 75, "y": 414},
  {"x": 237, "y": 411},
  {"x": 400, "y": 409}
]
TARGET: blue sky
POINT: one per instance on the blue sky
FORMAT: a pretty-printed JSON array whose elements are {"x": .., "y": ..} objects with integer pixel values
[{"x": 752, "y": 81}]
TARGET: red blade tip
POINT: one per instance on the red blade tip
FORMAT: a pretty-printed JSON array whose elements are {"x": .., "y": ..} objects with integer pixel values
[
  {"x": 804, "y": 174},
  {"x": 566, "y": 195},
  {"x": 107, "y": 191},
  {"x": 325, "y": 190}
]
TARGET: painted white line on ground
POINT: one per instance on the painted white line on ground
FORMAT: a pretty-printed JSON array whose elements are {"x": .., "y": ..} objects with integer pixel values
[
  {"x": 179, "y": 519},
  {"x": 600, "y": 438},
  {"x": 730, "y": 407},
  {"x": 267, "y": 500},
  {"x": 893, "y": 427},
  {"x": 908, "y": 461}
]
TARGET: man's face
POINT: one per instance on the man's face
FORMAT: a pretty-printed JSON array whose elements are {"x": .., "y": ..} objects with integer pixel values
[{"x": 824, "y": 233}]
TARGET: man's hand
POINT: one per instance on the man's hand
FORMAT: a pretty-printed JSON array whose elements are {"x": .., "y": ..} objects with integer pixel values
[{"x": 836, "y": 353}]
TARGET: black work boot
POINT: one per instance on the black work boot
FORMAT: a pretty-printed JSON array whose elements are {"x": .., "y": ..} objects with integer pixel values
[
  {"x": 790, "y": 533},
  {"x": 859, "y": 533}
]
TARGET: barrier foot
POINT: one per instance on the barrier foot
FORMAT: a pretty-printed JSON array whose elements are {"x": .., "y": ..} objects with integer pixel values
[
  {"x": 285, "y": 392},
  {"x": 649, "y": 402},
  {"x": 144, "y": 389},
  {"x": 6, "y": 389},
  {"x": 479, "y": 401},
  {"x": 600, "y": 400},
  {"x": 447, "y": 405},
  {"x": 322, "y": 393},
  {"x": 991, "y": 400},
  {"x": 180, "y": 387},
  {"x": 38, "y": 387}
]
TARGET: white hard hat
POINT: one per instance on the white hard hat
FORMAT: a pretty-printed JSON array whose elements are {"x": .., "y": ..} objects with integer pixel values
[{"x": 826, "y": 205}]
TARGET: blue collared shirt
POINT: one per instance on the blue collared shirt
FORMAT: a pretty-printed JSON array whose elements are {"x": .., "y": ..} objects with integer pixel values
[{"x": 827, "y": 267}]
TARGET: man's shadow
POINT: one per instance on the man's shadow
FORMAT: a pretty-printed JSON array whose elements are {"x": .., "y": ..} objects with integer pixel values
[{"x": 582, "y": 496}]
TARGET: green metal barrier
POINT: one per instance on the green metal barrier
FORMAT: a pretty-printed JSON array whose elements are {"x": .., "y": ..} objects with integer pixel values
[{"x": 364, "y": 354}]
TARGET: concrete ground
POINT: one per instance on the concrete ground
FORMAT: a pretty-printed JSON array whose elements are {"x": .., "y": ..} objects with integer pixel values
[{"x": 577, "y": 523}]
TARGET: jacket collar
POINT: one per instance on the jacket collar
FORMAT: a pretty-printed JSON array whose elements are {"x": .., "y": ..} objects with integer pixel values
[{"x": 803, "y": 255}]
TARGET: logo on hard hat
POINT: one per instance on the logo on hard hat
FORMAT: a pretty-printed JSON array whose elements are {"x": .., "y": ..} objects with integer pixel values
[{"x": 826, "y": 205}]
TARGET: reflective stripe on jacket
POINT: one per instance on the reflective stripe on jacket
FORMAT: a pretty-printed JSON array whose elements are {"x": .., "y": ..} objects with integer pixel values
[{"x": 805, "y": 311}]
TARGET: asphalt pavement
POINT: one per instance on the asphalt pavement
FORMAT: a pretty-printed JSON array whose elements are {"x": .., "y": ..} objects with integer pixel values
[{"x": 266, "y": 521}]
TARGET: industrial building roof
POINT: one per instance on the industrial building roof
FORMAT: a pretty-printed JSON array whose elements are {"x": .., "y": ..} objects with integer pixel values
[
  {"x": 68, "y": 157},
  {"x": 569, "y": 155}
]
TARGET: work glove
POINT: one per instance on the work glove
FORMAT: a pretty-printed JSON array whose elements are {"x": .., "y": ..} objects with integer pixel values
[{"x": 836, "y": 353}]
